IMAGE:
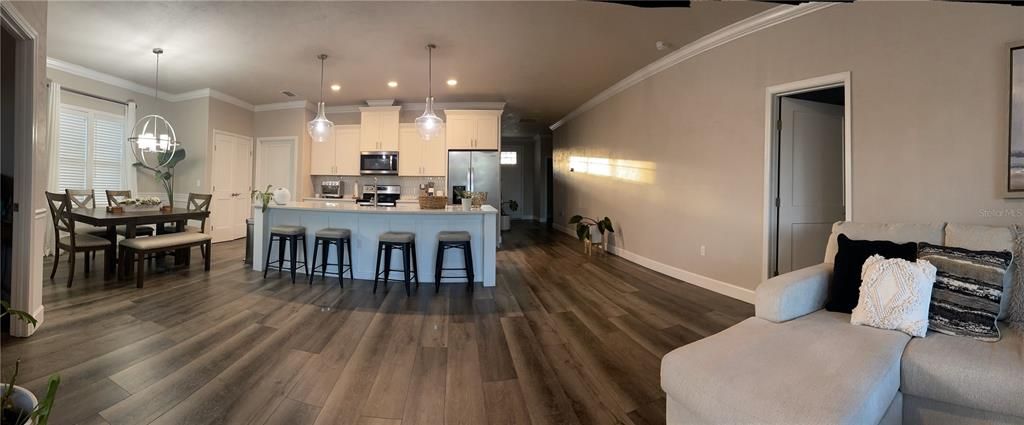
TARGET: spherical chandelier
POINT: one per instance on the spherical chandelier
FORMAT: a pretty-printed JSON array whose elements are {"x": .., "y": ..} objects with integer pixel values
[{"x": 153, "y": 134}]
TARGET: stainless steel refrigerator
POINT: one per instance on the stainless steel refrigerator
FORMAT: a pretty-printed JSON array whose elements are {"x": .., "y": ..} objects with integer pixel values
[{"x": 476, "y": 171}]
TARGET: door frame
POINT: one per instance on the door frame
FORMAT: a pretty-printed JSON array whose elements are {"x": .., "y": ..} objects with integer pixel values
[
  {"x": 773, "y": 94},
  {"x": 295, "y": 159},
  {"x": 213, "y": 157},
  {"x": 27, "y": 243}
]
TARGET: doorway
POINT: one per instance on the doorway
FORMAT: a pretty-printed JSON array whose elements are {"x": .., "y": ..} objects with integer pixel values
[
  {"x": 513, "y": 180},
  {"x": 232, "y": 183},
  {"x": 7, "y": 106},
  {"x": 808, "y": 170}
]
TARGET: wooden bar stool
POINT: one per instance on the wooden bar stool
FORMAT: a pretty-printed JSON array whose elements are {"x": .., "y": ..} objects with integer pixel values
[
  {"x": 284, "y": 235},
  {"x": 401, "y": 241},
  {"x": 453, "y": 240},
  {"x": 326, "y": 238}
]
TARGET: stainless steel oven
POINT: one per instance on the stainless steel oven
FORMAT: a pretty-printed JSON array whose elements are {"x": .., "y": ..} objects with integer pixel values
[{"x": 378, "y": 163}]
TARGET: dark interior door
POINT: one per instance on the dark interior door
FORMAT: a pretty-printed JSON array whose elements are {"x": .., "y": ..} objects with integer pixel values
[{"x": 7, "y": 47}]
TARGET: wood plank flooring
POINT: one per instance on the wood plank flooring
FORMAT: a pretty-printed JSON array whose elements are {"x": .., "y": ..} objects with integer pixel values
[{"x": 562, "y": 339}]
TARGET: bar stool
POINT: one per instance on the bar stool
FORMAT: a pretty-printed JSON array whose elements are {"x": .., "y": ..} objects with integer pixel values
[
  {"x": 326, "y": 238},
  {"x": 284, "y": 235},
  {"x": 401, "y": 241},
  {"x": 453, "y": 240}
]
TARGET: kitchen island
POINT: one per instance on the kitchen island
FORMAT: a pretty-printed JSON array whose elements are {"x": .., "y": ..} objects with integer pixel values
[{"x": 367, "y": 223}]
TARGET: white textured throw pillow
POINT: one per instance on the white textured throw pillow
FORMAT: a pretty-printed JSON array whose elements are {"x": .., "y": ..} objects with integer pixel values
[{"x": 895, "y": 294}]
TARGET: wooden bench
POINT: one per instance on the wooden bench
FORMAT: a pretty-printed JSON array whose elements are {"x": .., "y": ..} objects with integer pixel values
[{"x": 136, "y": 249}]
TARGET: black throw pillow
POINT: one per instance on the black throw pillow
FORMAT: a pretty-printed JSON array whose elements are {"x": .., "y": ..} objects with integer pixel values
[{"x": 844, "y": 291}]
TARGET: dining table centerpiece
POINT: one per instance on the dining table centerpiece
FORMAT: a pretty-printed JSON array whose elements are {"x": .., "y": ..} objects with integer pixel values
[{"x": 149, "y": 203}]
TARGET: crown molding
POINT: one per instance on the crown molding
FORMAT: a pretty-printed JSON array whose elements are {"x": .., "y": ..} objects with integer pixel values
[
  {"x": 739, "y": 29},
  {"x": 353, "y": 109},
  {"x": 92, "y": 74},
  {"x": 279, "y": 106}
]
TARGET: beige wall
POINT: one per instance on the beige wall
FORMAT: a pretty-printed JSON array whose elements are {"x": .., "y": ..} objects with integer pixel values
[
  {"x": 191, "y": 120},
  {"x": 929, "y": 104}
]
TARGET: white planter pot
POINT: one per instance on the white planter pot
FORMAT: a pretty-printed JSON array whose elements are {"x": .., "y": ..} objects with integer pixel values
[
  {"x": 595, "y": 235},
  {"x": 506, "y": 223},
  {"x": 467, "y": 203},
  {"x": 23, "y": 400}
]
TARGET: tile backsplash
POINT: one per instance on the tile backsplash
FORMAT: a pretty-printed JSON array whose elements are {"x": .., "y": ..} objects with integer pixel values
[{"x": 410, "y": 185}]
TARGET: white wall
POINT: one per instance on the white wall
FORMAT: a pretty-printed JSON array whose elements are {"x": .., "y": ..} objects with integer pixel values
[{"x": 929, "y": 103}]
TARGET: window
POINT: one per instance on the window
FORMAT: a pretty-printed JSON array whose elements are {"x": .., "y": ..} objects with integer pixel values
[
  {"x": 509, "y": 158},
  {"x": 90, "y": 151}
]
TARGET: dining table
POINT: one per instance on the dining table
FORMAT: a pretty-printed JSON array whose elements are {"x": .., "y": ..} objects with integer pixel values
[{"x": 131, "y": 219}]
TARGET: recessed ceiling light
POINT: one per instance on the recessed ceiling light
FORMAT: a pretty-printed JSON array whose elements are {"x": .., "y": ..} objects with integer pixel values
[
  {"x": 335, "y": 87},
  {"x": 392, "y": 84},
  {"x": 452, "y": 81}
]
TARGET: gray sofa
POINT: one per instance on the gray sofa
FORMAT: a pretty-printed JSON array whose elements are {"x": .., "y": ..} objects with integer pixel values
[{"x": 795, "y": 363}]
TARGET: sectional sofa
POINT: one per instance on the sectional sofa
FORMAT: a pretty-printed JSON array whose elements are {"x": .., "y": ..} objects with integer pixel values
[{"x": 795, "y": 363}]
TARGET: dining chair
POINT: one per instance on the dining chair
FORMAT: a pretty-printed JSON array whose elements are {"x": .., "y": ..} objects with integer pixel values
[
  {"x": 196, "y": 202},
  {"x": 75, "y": 242},
  {"x": 114, "y": 197}
]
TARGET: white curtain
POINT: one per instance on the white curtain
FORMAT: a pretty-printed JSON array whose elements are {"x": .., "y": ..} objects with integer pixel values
[
  {"x": 53, "y": 147},
  {"x": 131, "y": 175}
]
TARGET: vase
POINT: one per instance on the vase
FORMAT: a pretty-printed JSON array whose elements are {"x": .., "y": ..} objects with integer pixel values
[
  {"x": 467, "y": 203},
  {"x": 506, "y": 223},
  {"x": 282, "y": 196}
]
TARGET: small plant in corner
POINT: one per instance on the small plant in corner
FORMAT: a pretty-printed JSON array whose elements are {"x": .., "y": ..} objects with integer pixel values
[
  {"x": 265, "y": 196},
  {"x": 14, "y": 399},
  {"x": 512, "y": 205},
  {"x": 583, "y": 232}
]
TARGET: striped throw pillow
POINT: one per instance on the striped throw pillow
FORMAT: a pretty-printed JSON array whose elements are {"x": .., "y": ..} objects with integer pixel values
[{"x": 967, "y": 292}]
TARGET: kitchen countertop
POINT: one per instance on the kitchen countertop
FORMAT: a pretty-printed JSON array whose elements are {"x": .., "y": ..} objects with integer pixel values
[
  {"x": 347, "y": 199},
  {"x": 349, "y": 206}
]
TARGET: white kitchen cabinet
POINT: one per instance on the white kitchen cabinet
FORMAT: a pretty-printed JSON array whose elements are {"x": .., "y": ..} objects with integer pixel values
[
  {"x": 418, "y": 157},
  {"x": 321, "y": 161},
  {"x": 378, "y": 127},
  {"x": 472, "y": 129},
  {"x": 346, "y": 152}
]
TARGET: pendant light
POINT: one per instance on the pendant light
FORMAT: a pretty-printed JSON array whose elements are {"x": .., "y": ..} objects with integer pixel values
[
  {"x": 429, "y": 124},
  {"x": 153, "y": 133},
  {"x": 321, "y": 129}
]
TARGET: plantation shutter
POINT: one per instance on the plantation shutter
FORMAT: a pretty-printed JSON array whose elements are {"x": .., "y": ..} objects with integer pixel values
[
  {"x": 107, "y": 154},
  {"x": 73, "y": 150},
  {"x": 91, "y": 152}
]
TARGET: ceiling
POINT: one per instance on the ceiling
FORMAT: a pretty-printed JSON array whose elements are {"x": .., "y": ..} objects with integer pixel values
[{"x": 543, "y": 58}]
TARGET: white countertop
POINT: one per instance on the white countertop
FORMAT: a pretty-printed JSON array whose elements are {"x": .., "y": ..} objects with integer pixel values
[{"x": 349, "y": 206}]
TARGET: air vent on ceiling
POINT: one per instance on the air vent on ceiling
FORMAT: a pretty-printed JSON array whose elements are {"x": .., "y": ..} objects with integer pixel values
[{"x": 287, "y": 93}]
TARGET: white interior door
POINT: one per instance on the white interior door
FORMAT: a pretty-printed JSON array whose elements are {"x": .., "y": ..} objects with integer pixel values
[
  {"x": 275, "y": 163},
  {"x": 232, "y": 174},
  {"x": 810, "y": 180}
]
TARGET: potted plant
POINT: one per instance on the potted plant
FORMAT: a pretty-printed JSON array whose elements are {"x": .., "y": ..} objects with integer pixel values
[
  {"x": 165, "y": 173},
  {"x": 140, "y": 204},
  {"x": 584, "y": 231},
  {"x": 265, "y": 196},
  {"x": 18, "y": 406},
  {"x": 506, "y": 218}
]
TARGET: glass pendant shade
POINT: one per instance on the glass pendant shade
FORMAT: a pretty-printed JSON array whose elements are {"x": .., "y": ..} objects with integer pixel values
[
  {"x": 429, "y": 124},
  {"x": 321, "y": 128}
]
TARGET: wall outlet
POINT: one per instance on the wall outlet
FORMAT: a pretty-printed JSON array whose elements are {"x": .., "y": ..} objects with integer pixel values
[
  {"x": 198, "y": 183},
  {"x": 703, "y": 251}
]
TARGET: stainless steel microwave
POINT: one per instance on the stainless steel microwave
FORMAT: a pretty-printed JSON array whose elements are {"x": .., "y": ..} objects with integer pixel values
[{"x": 378, "y": 163}]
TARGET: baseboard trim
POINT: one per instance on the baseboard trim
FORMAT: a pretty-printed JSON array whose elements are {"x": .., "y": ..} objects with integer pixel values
[
  {"x": 711, "y": 284},
  {"x": 23, "y": 330}
]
